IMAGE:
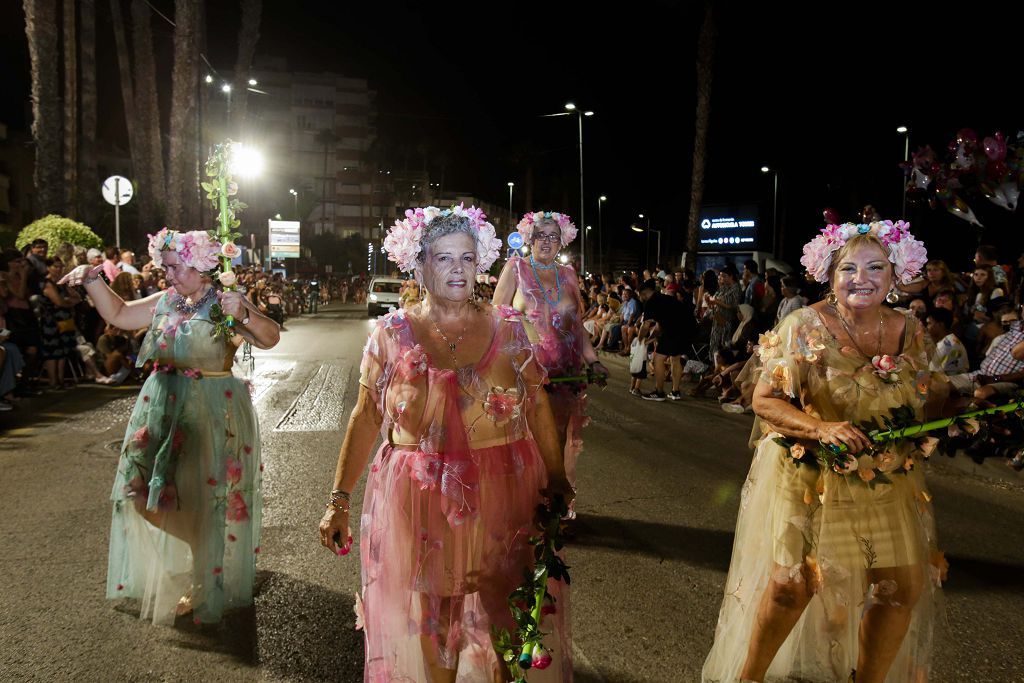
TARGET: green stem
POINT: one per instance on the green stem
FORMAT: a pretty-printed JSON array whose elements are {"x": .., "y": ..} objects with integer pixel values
[
  {"x": 915, "y": 429},
  {"x": 225, "y": 226}
]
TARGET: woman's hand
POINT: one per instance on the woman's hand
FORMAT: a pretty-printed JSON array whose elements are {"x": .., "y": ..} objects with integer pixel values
[
  {"x": 843, "y": 433},
  {"x": 77, "y": 275},
  {"x": 335, "y": 534},
  {"x": 558, "y": 485},
  {"x": 231, "y": 304}
]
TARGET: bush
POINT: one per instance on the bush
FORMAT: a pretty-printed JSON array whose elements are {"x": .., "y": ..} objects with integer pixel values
[{"x": 57, "y": 230}]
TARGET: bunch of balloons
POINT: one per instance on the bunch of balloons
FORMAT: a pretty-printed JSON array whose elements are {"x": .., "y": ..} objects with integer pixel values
[{"x": 994, "y": 169}]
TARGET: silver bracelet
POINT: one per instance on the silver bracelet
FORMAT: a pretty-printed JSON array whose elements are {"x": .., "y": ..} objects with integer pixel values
[{"x": 339, "y": 493}]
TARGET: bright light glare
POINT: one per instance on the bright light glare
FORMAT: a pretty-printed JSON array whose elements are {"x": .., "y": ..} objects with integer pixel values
[
  {"x": 252, "y": 81},
  {"x": 563, "y": 258},
  {"x": 511, "y": 184},
  {"x": 641, "y": 215},
  {"x": 588, "y": 113},
  {"x": 901, "y": 129},
  {"x": 636, "y": 229},
  {"x": 588, "y": 228},
  {"x": 603, "y": 198},
  {"x": 226, "y": 88},
  {"x": 570, "y": 106},
  {"x": 246, "y": 161},
  {"x": 209, "y": 78},
  {"x": 765, "y": 169}
]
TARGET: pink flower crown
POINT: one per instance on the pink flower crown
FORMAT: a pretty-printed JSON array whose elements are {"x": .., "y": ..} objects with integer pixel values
[
  {"x": 565, "y": 225},
  {"x": 196, "y": 249},
  {"x": 907, "y": 254},
  {"x": 403, "y": 242}
]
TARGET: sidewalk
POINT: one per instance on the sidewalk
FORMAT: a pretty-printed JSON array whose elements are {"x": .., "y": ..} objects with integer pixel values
[{"x": 992, "y": 469}]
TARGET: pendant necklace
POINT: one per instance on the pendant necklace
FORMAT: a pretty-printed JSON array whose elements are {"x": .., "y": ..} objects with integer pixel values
[
  {"x": 544, "y": 292},
  {"x": 185, "y": 304},
  {"x": 451, "y": 344},
  {"x": 854, "y": 340}
]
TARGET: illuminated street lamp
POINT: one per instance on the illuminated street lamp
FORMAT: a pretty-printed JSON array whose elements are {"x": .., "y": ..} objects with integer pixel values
[
  {"x": 570, "y": 109},
  {"x": 649, "y": 230},
  {"x": 775, "y": 207},
  {"x": 295, "y": 196},
  {"x": 511, "y": 216},
  {"x": 600, "y": 233},
  {"x": 246, "y": 161},
  {"x": 905, "y": 132}
]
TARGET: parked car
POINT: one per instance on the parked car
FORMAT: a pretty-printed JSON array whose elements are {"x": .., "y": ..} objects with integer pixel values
[{"x": 382, "y": 295}]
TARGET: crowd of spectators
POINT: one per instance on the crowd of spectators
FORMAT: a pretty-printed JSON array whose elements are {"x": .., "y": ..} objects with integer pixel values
[
  {"x": 52, "y": 339},
  {"x": 680, "y": 327}
]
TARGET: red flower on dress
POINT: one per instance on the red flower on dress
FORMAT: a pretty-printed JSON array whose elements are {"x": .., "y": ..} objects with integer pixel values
[
  {"x": 502, "y": 405},
  {"x": 413, "y": 363},
  {"x": 211, "y": 481},
  {"x": 218, "y": 570},
  {"x": 232, "y": 538},
  {"x": 228, "y": 394},
  {"x": 234, "y": 471},
  {"x": 140, "y": 439},
  {"x": 237, "y": 511}
]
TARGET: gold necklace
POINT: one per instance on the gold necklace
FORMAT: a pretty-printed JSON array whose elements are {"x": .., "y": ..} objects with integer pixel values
[
  {"x": 452, "y": 345},
  {"x": 854, "y": 340}
]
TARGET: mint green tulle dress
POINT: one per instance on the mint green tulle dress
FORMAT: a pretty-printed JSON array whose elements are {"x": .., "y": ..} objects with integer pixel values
[{"x": 190, "y": 463}]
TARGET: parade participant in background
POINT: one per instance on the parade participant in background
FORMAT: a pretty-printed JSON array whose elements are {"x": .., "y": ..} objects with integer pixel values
[
  {"x": 673, "y": 330},
  {"x": 851, "y": 548},
  {"x": 546, "y": 292},
  {"x": 454, "y": 388},
  {"x": 724, "y": 307},
  {"x": 187, "y": 490}
]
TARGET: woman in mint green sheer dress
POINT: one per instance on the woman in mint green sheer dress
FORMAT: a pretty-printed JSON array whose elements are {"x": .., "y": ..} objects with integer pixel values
[{"x": 186, "y": 497}]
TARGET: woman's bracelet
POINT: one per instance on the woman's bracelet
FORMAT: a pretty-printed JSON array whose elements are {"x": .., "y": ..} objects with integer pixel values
[
  {"x": 333, "y": 505},
  {"x": 340, "y": 493}
]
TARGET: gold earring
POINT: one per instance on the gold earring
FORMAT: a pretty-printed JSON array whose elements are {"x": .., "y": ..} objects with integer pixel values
[
  {"x": 892, "y": 297},
  {"x": 831, "y": 299}
]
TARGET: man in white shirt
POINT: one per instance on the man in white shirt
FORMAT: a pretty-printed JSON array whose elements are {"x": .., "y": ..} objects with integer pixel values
[
  {"x": 792, "y": 300},
  {"x": 127, "y": 264}
]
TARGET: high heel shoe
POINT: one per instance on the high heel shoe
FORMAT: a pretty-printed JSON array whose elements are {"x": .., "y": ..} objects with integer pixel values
[{"x": 184, "y": 605}]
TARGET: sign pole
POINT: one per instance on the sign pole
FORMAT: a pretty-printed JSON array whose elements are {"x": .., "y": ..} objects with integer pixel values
[{"x": 117, "y": 212}]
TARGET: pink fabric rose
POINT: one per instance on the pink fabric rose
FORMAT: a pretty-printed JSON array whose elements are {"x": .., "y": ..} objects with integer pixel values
[
  {"x": 234, "y": 471},
  {"x": 237, "y": 510},
  {"x": 230, "y": 250},
  {"x": 414, "y": 363},
  {"x": 502, "y": 405},
  {"x": 797, "y": 451},
  {"x": 227, "y": 278},
  {"x": 140, "y": 439}
]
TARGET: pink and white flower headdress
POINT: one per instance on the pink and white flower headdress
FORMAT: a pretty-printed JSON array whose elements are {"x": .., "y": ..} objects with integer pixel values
[
  {"x": 565, "y": 225},
  {"x": 403, "y": 242},
  {"x": 907, "y": 254},
  {"x": 195, "y": 248}
]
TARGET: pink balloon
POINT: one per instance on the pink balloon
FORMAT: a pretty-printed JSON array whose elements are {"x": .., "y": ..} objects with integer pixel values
[
  {"x": 830, "y": 215},
  {"x": 995, "y": 147}
]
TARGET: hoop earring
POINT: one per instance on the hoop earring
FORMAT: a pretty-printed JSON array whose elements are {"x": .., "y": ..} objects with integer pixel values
[
  {"x": 892, "y": 297},
  {"x": 831, "y": 299}
]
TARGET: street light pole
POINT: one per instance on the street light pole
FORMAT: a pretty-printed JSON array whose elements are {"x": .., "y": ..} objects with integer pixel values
[
  {"x": 295, "y": 196},
  {"x": 600, "y": 242},
  {"x": 775, "y": 208},
  {"x": 570, "y": 109},
  {"x": 511, "y": 216},
  {"x": 906, "y": 157}
]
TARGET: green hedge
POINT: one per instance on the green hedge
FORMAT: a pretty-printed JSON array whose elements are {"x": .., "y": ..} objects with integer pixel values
[{"x": 57, "y": 230}]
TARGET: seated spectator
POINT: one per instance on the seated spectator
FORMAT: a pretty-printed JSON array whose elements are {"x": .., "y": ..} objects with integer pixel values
[
  {"x": 1000, "y": 370},
  {"x": 117, "y": 362},
  {"x": 1001, "y": 316},
  {"x": 919, "y": 307},
  {"x": 628, "y": 314},
  {"x": 720, "y": 376},
  {"x": 791, "y": 299},
  {"x": 746, "y": 332},
  {"x": 950, "y": 355}
]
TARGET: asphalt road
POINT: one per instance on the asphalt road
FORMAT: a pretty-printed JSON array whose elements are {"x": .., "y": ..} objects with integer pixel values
[{"x": 659, "y": 489}]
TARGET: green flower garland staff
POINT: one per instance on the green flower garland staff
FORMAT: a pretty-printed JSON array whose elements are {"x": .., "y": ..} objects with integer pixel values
[{"x": 221, "y": 193}]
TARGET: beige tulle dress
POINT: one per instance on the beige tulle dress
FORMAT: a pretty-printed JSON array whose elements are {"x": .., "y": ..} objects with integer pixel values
[{"x": 861, "y": 538}]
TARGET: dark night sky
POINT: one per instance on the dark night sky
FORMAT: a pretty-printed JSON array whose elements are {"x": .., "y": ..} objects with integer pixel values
[{"x": 816, "y": 93}]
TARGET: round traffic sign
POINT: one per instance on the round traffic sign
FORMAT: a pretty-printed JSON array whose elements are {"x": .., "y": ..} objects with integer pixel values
[
  {"x": 117, "y": 190},
  {"x": 515, "y": 240}
]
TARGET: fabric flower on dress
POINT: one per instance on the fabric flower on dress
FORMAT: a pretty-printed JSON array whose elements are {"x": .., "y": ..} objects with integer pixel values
[
  {"x": 425, "y": 469},
  {"x": 237, "y": 510},
  {"x": 234, "y": 471},
  {"x": 502, "y": 405},
  {"x": 769, "y": 346},
  {"x": 887, "y": 368},
  {"x": 414, "y": 363},
  {"x": 140, "y": 439}
]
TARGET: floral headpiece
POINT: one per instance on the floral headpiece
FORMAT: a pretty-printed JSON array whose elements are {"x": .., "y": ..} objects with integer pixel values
[
  {"x": 907, "y": 254},
  {"x": 530, "y": 220},
  {"x": 196, "y": 249},
  {"x": 404, "y": 238}
]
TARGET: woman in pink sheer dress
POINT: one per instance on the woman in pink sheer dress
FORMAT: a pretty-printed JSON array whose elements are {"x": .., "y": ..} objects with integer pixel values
[
  {"x": 470, "y": 449},
  {"x": 547, "y": 293}
]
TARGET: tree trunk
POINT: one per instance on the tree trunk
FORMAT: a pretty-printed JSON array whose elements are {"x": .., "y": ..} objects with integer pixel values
[
  {"x": 181, "y": 169},
  {"x": 705, "y": 62},
  {"x": 151, "y": 194},
  {"x": 88, "y": 175},
  {"x": 248, "y": 34},
  {"x": 40, "y": 23},
  {"x": 131, "y": 122},
  {"x": 70, "y": 111}
]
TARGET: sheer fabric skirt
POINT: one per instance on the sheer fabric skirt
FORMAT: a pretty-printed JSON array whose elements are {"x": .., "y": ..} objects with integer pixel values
[
  {"x": 206, "y": 536},
  {"x": 857, "y": 547},
  {"x": 432, "y": 588}
]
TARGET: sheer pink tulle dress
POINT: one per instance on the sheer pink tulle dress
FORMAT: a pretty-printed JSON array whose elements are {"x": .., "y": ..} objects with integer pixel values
[
  {"x": 449, "y": 505},
  {"x": 558, "y": 343}
]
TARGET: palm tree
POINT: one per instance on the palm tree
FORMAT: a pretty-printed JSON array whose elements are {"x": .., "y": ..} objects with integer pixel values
[
  {"x": 88, "y": 175},
  {"x": 147, "y": 109},
  {"x": 181, "y": 167},
  {"x": 40, "y": 20},
  {"x": 248, "y": 35},
  {"x": 705, "y": 61},
  {"x": 70, "y": 111},
  {"x": 127, "y": 93}
]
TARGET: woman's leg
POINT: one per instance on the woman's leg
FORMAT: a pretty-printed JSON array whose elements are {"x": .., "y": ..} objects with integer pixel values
[
  {"x": 780, "y": 609},
  {"x": 896, "y": 592},
  {"x": 431, "y": 644},
  {"x": 50, "y": 366}
]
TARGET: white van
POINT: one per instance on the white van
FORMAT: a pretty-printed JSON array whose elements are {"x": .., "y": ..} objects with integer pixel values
[{"x": 382, "y": 295}]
